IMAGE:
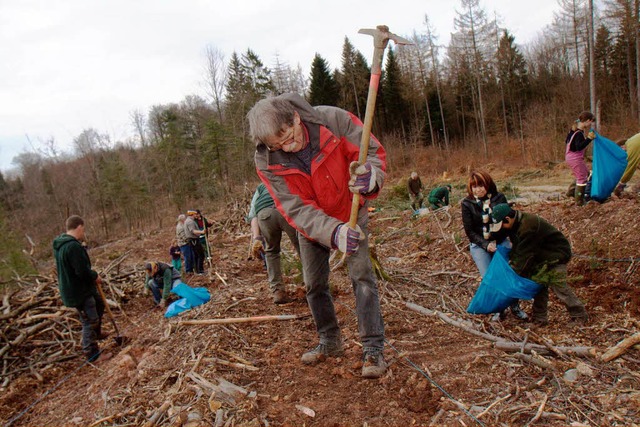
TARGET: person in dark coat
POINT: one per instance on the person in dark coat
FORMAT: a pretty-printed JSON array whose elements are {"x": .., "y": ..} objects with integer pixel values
[
  {"x": 414, "y": 187},
  {"x": 539, "y": 252},
  {"x": 439, "y": 197},
  {"x": 77, "y": 283},
  {"x": 482, "y": 196}
]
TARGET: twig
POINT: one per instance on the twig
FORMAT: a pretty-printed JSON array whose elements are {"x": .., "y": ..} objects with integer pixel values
[
  {"x": 493, "y": 404},
  {"x": 158, "y": 414},
  {"x": 539, "y": 412},
  {"x": 239, "y": 302},
  {"x": 221, "y": 279},
  {"x": 230, "y": 364}
]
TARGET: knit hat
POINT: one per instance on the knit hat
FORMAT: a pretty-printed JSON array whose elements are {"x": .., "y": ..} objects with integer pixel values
[{"x": 498, "y": 214}]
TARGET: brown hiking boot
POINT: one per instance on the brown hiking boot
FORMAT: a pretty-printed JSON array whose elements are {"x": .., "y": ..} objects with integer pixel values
[
  {"x": 280, "y": 297},
  {"x": 321, "y": 352},
  {"x": 374, "y": 365}
]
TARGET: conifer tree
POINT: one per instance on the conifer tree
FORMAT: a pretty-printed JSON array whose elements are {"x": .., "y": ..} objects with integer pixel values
[{"x": 323, "y": 89}]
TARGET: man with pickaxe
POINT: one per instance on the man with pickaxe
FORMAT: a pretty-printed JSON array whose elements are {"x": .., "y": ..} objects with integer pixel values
[{"x": 321, "y": 167}]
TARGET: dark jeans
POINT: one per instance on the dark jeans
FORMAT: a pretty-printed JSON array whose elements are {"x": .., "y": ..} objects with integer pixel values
[
  {"x": 188, "y": 258},
  {"x": 198, "y": 256},
  {"x": 91, "y": 312}
]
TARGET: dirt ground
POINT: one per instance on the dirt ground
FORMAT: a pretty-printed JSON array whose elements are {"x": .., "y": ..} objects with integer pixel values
[{"x": 439, "y": 374}]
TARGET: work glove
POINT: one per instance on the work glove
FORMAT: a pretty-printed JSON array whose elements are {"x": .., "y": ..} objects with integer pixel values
[
  {"x": 346, "y": 239},
  {"x": 257, "y": 248},
  {"x": 363, "y": 178},
  {"x": 145, "y": 290},
  {"x": 591, "y": 134},
  {"x": 163, "y": 303}
]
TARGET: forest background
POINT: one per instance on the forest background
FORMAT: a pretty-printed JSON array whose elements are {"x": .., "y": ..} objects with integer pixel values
[{"x": 483, "y": 99}]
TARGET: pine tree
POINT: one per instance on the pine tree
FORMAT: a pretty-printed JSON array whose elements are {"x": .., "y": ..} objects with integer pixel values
[
  {"x": 323, "y": 89},
  {"x": 395, "y": 105}
]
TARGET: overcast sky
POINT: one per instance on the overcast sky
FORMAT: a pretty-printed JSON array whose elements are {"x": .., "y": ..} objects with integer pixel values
[{"x": 68, "y": 65}]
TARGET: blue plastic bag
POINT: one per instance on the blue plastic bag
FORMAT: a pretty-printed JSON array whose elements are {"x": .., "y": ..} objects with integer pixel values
[
  {"x": 501, "y": 286},
  {"x": 609, "y": 163},
  {"x": 191, "y": 297}
]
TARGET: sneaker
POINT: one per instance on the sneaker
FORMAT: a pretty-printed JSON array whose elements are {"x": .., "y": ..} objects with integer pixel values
[
  {"x": 321, "y": 352},
  {"x": 374, "y": 365},
  {"x": 518, "y": 312},
  {"x": 280, "y": 297}
]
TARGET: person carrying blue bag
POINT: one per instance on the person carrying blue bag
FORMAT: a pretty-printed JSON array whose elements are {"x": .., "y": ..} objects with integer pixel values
[{"x": 541, "y": 253}]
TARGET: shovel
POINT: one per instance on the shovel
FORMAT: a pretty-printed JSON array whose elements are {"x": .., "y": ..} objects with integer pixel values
[{"x": 118, "y": 339}]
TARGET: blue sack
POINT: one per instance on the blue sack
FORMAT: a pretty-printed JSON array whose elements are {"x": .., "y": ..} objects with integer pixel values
[
  {"x": 191, "y": 297},
  {"x": 501, "y": 286},
  {"x": 609, "y": 163}
]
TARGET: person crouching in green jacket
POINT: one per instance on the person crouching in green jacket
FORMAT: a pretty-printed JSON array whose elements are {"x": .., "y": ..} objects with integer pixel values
[
  {"x": 160, "y": 279},
  {"x": 540, "y": 252},
  {"x": 77, "y": 283},
  {"x": 439, "y": 197}
]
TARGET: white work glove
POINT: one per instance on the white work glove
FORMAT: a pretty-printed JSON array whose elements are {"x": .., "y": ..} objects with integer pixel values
[
  {"x": 346, "y": 239},
  {"x": 145, "y": 290},
  {"x": 363, "y": 178}
]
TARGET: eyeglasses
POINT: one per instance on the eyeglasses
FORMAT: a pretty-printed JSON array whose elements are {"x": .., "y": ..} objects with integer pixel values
[{"x": 285, "y": 141}]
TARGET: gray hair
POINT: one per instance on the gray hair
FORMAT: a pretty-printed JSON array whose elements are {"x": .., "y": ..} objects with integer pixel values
[
  {"x": 268, "y": 118},
  {"x": 181, "y": 217}
]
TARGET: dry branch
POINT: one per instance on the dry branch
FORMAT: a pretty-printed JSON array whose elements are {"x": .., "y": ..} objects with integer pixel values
[
  {"x": 621, "y": 347},
  {"x": 541, "y": 349},
  {"x": 253, "y": 319},
  {"x": 449, "y": 320}
]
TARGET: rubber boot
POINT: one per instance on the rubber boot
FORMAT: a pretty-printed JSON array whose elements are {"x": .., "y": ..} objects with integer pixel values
[
  {"x": 571, "y": 191},
  {"x": 580, "y": 194}
]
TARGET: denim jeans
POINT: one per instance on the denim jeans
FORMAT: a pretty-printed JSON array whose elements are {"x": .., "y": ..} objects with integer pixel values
[
  {"x": 188, "y": 258},
  {"x": 158, "y": 288},
  {"x": 483, "y": 258},
  {"x": 91, "y": 312},
  {"x": 272, "y": 224},
  {"x": 315, "y": 266}
]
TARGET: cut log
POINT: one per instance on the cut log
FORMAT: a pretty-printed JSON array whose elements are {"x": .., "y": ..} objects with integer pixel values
[{"x": 621, "y": 347}]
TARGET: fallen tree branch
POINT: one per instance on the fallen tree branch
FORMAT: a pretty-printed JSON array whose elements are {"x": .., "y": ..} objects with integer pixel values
[
  {"x": 621, "y": 347},
  {"x": 510, "y": 346},
  {"x": 447, "y": 319},
  {"x": 253, "y": 319}
]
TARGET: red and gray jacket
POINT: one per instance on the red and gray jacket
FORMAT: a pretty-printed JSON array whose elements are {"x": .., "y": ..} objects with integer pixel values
[{"x": 316, "y": 202}]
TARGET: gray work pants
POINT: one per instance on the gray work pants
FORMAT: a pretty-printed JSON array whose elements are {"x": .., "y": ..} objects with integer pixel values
[
  {"x": 91, "y": 312},
  {"x": 272, "y": 224},
  {"x": 565, "y": 294},
  {"x": 315, "y": 265}
]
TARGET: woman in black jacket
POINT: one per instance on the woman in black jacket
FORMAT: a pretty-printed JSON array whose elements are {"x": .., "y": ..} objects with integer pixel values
[{"x": 482, "y": 196}]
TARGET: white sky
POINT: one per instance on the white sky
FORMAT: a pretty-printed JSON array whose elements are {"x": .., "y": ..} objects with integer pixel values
[{"x": 68, "y": 65}]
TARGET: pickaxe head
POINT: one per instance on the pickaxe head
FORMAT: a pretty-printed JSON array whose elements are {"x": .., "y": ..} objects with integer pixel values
[{"x": 381, "y": 36}]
